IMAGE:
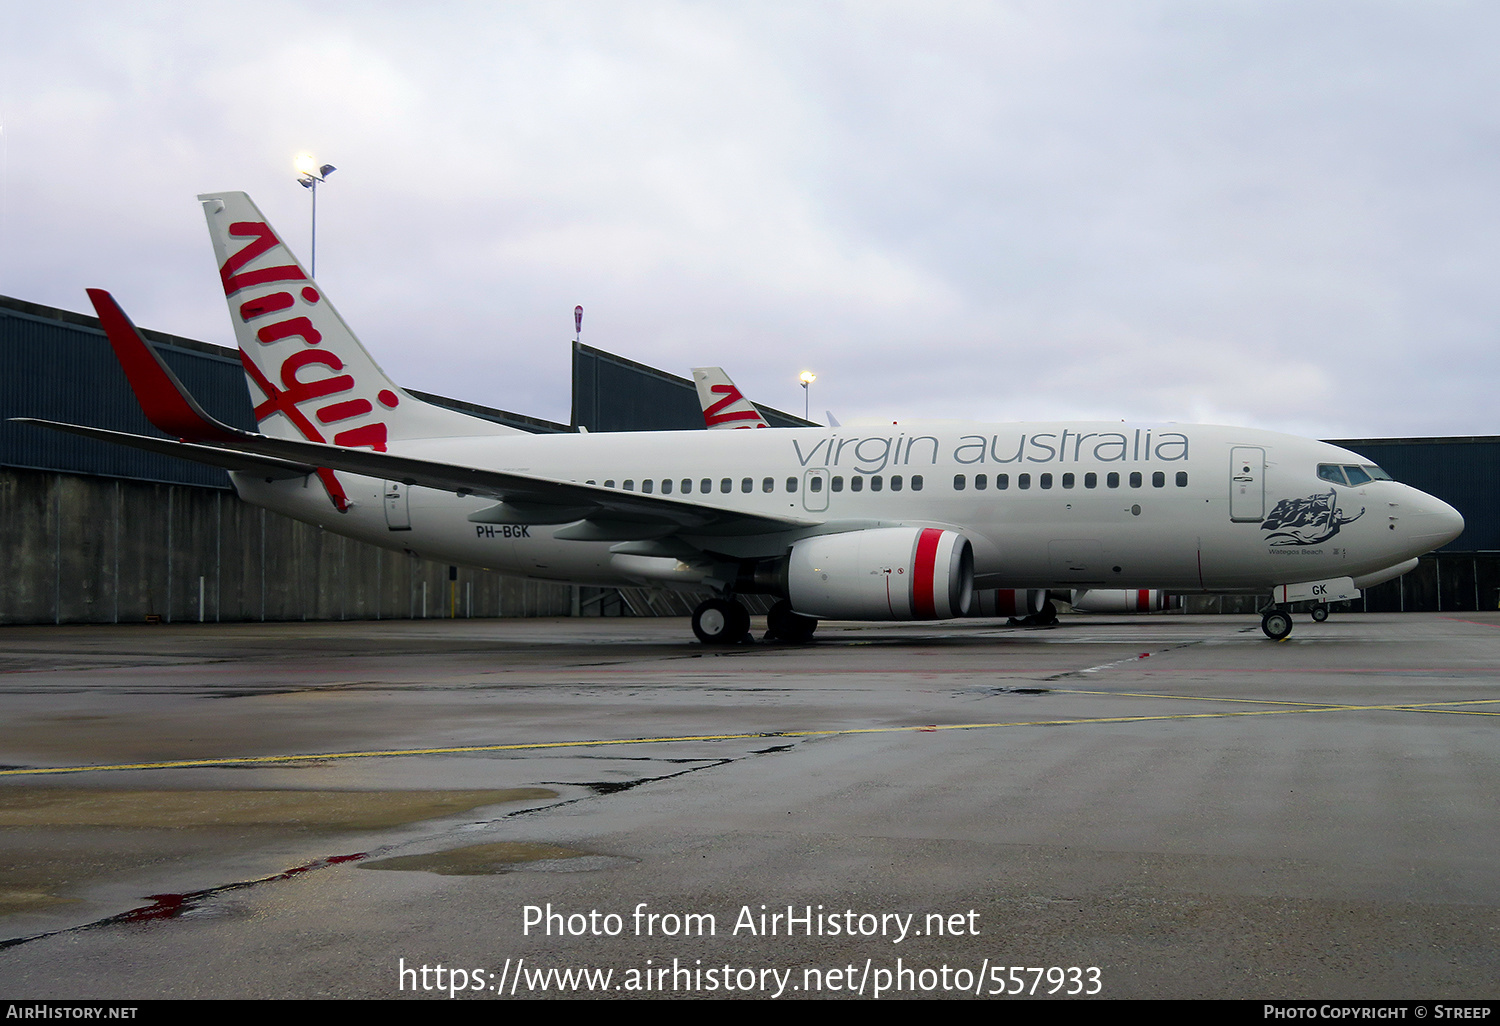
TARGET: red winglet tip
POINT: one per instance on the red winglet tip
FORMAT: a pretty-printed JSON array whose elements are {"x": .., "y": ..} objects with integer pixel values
[{"x": 160, "y": 394}]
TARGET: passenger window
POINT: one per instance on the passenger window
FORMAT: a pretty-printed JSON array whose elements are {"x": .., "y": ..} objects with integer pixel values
[
  {"x": 1356, "y": 476},
  {"x": 958, "y": 482},
  {"x": 837, "y": 485},
  {"x": 1067, "y": 480},
  {"x": 609, "y": 484},
  {"x": 630, "y": 486},
  {"x": 856, "y": 484},
  {"x": 1329, "y": 472},
  {"x": 647, "y": 486},
  {"x": 1023, "y": 481},
  {"x": 1002, "y": 482},
  {"x": 747, "y": 485},
  {"x": 1046, "y": 481},
  {"x": 707, "y": 485},
  {"x": 1158, "y": 480},
  {"x": 1091, "y": 480},
  {"x": 687, "y": 486},
  {"x": 916, "y": 482},
  {"x": 895, "y": 482},
  {"x": 816, "y": 484},
  {"x": 791, "y": 484},
  {"x": 1135, "y": 479},
  {"x": 768, "y": 485},
  {"x": 666, "y": 486},
  {"x": 726, "y": 485},
  {"x": 1182, "y": 479},
  {"x": 876, "y": 483},
  {"x": 981, "y": 482},
  {"x": 1112, "y": 480}
]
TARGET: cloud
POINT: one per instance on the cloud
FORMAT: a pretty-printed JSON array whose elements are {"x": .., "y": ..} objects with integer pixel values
[{"x": 1276, "y": 213}]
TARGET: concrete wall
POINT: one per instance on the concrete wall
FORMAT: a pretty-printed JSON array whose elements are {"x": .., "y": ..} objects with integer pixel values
[{"x": 77, "y": 549}]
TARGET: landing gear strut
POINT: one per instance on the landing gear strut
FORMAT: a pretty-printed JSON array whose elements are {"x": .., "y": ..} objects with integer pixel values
[
  {"x": 1276, "y": 623},
  {"x": 719, "y": 621},
  {"x": 784, "y": 625}
]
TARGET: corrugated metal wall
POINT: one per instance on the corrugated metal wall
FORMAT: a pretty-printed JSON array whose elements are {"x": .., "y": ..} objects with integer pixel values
[
  {"x": 611, "y": 393},
  {"x": 60, "y": 367}
]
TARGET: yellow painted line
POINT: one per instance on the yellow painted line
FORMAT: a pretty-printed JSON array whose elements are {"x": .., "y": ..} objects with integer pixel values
[
  {"x": 537, "y": 745},
  {"x": 1414, "y": 706}
]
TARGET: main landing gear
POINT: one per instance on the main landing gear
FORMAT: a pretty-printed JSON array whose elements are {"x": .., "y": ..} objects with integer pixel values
[
  {"x": 719, "y": 621},
  {"x": 1276, "y": 623},
  {"x": 784, "y": 625},
  {"x": 1043, "y": 617}
]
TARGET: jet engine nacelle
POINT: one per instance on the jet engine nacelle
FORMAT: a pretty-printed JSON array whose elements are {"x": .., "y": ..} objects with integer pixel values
[
  {"x": 1008, "y": 602},
  {"x": 887, "y": 573},
  {"x": 1129, "y": 600}
]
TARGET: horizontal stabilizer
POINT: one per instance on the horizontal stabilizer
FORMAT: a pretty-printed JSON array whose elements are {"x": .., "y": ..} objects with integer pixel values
[{"x": 260, "y": 466}]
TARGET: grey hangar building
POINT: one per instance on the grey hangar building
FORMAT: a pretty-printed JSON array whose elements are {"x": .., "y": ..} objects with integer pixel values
[{"x": 97, "y": 533}]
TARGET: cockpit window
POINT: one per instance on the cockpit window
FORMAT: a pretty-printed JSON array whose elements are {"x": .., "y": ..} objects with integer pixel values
[
  {"x": 1329, "y": 472},
  {"x": 1351, "y": 475}
]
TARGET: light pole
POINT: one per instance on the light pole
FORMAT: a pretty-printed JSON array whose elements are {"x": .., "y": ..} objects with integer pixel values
[
  {"x": 807, "y": 378},
  {"x": 310, "y": 173}
]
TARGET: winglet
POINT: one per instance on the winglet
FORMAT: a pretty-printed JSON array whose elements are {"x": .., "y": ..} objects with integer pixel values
[{"x": 162, "y": 396}]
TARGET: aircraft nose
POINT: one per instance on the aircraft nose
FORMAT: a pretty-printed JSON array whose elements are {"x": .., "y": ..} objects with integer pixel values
[{"x": 1436, "y": 522}]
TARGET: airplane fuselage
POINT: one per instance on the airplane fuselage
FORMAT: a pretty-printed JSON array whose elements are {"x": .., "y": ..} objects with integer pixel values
[{"x": 1066, "y": 505}]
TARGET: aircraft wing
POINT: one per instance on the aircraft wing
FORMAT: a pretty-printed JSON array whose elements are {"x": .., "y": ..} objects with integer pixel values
[{"x": 525, "y": 499}]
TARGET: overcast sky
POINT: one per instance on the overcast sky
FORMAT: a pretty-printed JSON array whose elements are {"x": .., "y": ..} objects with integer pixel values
[{"x": 1264, "y": 213}]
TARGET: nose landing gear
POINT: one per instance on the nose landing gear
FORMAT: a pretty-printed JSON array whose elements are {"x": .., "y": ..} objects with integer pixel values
[{"x": 1276, "y": 623}]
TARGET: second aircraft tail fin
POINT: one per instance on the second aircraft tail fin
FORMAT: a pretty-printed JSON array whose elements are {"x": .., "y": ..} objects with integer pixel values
[{"x": 724, "y": 406}]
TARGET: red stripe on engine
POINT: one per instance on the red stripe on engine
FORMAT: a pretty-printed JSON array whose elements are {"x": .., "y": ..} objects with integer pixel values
[
  {"x": 1143, "y": 601},
  {"x": 924, "y": 568}
]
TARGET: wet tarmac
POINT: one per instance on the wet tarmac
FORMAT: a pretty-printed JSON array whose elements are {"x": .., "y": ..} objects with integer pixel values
[{"x": 1159, "y": 806}]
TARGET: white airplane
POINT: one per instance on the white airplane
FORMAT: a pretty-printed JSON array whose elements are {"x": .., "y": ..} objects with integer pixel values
[
  {"x": 855, "y": 524},
  {"x": 724, "y": 406}
]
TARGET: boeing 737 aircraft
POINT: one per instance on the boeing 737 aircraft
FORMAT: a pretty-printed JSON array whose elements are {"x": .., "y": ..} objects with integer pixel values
[
  {"x": 857, "y": 524},
  {"x": 725, "y": 406}
]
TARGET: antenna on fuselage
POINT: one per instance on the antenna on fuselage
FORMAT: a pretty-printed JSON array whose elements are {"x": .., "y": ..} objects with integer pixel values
[{"x": 577, "y": 323}]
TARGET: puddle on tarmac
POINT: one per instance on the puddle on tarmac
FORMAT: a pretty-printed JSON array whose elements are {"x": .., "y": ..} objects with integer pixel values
[{"x": 502, "y": 857}]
